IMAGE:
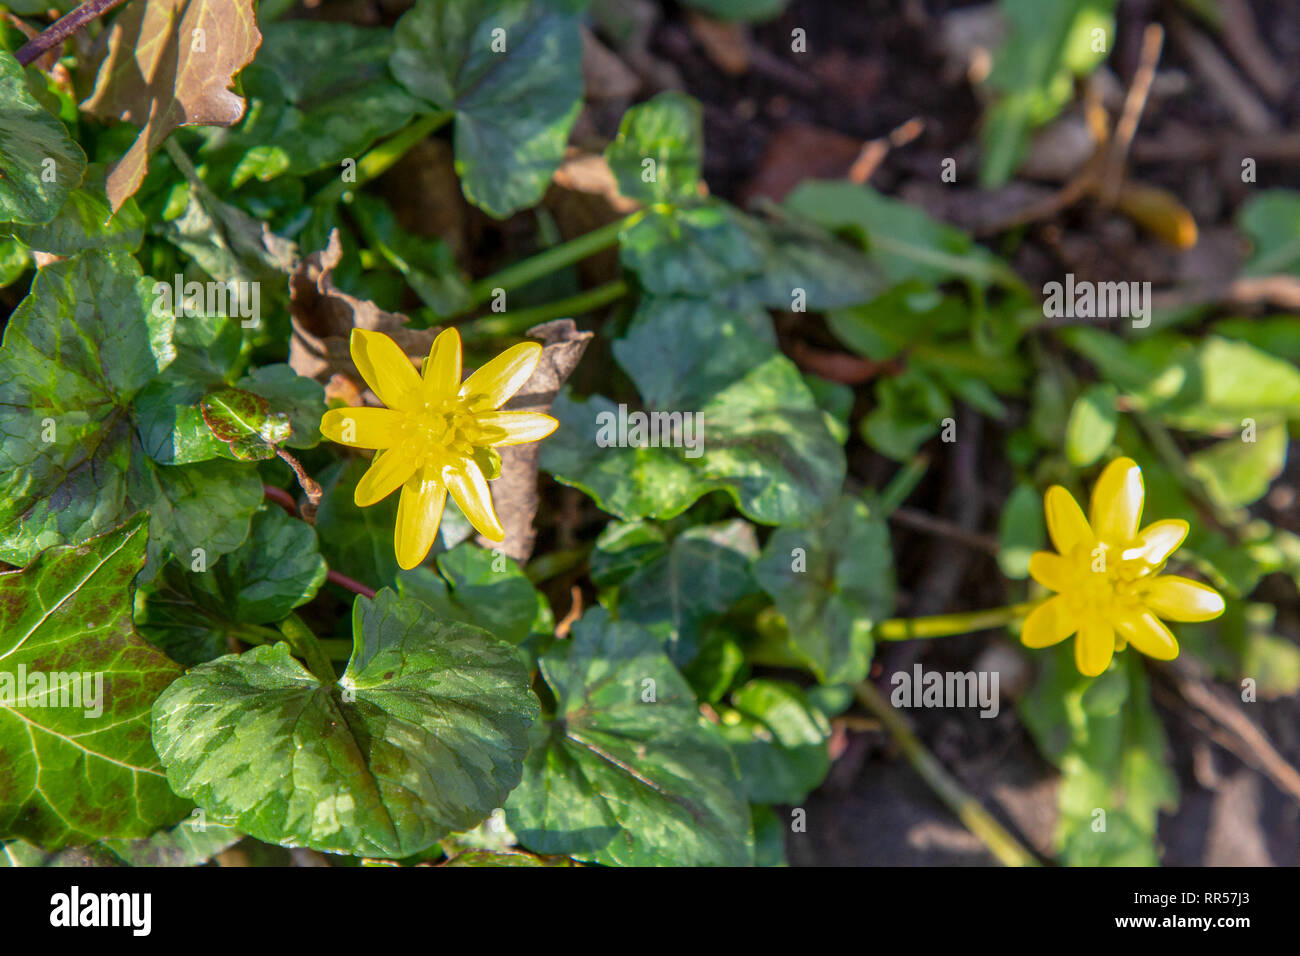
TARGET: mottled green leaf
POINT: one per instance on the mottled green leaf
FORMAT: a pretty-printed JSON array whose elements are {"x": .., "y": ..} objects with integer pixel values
[
  {"x": 657, "y": 155},
  {"x": 779, "y": 740},
  {"x": 510, "y": 71},
  {"x": 832, "y": 581},
  {"x": 86, "y": 221},
  {"x": 39, "y": 162},
  {"x": 245, "y": 422},
  {"x": 76, "y": 685},
  {"x": 192, "y": 614},
  {"x": 629, "y": 773},
  {"x": 423, "y": 735}
]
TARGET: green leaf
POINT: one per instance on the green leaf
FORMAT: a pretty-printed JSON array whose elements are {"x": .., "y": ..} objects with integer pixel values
[
  {"x": 78, "y": 764},
  {"x": 659, "y": 150},
  {"x": 901, "y": 238},
  {"x": 319, "y": 93},
  {"x": 86, "y": 221},
  {"x": 357, "y": 541},
  {"x": 510, "y": 71},
  {"x": 1272, "y": 221},
  {"x": 423, "y": 735},
  {"x": 779, "y": 739},
  {"x": 832, "y": 581},
  {"x": 1049, "y": 44},
  {"x": 1106, "y": 737},
  {"x": 245, "y": 422},
  {"x": 483, "y": 588},
  {"x": 750, "y": 10},
  {"x": 189, "y": 843},
  {"x": 1021, "y": 531},
  {"x": 504, "y": 858},
  {"x": 629, "y": 773},
  {"x": 910, "y": 409},
  {"x": 39, "y": 162},
  {"x": 300, "y": 399},
  {"x": 192, "y": 614},
  {"x": 77, "y": 351},
  {"x": 1237, "y": 472},
  {"x": 1244, "y": 644},
  {"x": 713, "y": 251},
  {"x": 1090, "y": 429},
  {"x": 763, "y": 440},
  {"x": 702, "y": 573}
]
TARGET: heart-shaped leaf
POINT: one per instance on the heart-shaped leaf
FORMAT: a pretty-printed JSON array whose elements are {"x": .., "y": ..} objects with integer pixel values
[
  {"x": 423, "y": 735},
  {"x": 39, "y": 162}
]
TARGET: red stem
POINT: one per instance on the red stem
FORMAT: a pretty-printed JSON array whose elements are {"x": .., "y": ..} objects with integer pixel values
[
  {"x": 63, "y": 28},
  {"x": 353, "y": 585}
]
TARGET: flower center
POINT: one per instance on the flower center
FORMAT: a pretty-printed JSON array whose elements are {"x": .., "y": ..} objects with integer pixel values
[
  {"x": 439, "y": 430},
  {"x": 1103, "y": 582}
]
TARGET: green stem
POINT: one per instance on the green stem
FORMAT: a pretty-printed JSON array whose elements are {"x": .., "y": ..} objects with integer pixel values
[
  {"x": 945, "y": 625},
  {"x": 521, "y": 320},
  {"x": 1001, "y": 843},
  {"x": 902, "y": 484},
  {"x": 304, "y": 644},
  {"x": 335, "y": 649},
  {"x": 382, "y": 157},
  {"x": 557, "y": 257}
]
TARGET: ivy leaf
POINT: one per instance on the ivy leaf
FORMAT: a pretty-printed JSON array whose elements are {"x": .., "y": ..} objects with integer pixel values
[
  {"x": 629, "y": 773},
  {"x": 245, "y": 422},
  {"x": 79, "y": 766},
  {"x": 423, "y": 735},
  {"x": 192, "y": 614},
  {"x": 667, "y": 130},
  {"x": 701, "y": 574},
  {"x": 483, "y": 588},
  {"x": 832, "y": 581},
  {"x": 30, "y": 140},
  {"x": 86, "y": 221},
  {"x": 510, "y": 71},
  {"x": 171, "y": 63},
  {"x": 764, "y": 440},
  {"x": 1106, "y": 737},
  {"x": 77, "y": 351}
]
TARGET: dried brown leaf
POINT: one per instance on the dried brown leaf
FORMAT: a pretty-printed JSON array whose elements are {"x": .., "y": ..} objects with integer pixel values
[{"x": 171, "y": 63}]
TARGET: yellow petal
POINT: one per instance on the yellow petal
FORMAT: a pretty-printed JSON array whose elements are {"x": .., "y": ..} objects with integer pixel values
[
  {"x": 1145, "y": 631},
  {"x": 386, "y": 369},
  {"x": 362, "y": 427},
  {"x": 516, "y": 428},
  {"x": 419, "y": 512},
  {"x": 1117, "y": 502},
  {"x": 493, "y": 384},
  {"x": 386, "y": 474},
  {"x": 1157, "y": 541},
  {"x": 1094, "y": 647},
  {"x": 1050, "y": 570},
  {"x": 1049, "y": 623},
  {"x": 442, "y": 367},
  {"x": 1065, "y": 521},
  {"x": 470, "y": 490},
  {"x": 1181, "y": 599}
]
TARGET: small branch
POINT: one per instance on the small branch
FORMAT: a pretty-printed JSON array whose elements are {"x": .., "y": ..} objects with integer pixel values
[
  {"x": 1134, "y": 103},
  {"x": 61, "y": 29},
  {"x": 351, "y": 584},
  {"x": 968, "y": 810},
  {"x": 306, "y": 482}
]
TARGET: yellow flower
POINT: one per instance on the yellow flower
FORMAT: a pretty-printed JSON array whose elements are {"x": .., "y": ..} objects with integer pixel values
[
  {"x": 1107, "y": 576},
  {"x": 435, "y": 433}
]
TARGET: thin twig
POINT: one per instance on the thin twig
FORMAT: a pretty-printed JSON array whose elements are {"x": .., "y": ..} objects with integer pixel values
[
  {"x": 61, "y": 29},
  {"x": 928, "y": 523},
  {"x": 968, "y": 810},
  {"x": 1135, "y": 102}
]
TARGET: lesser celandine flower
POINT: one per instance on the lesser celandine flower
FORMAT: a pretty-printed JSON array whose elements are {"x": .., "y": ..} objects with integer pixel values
[
  {"x": 1107, "y": 576},
  {"x": 437, "y": 434}
]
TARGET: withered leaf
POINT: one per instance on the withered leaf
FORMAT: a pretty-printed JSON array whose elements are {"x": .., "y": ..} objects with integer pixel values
[
  {"x": 323, "y": 320},
  {"x": 171, "y": 63},
  {"x": 514, "y": 494}
]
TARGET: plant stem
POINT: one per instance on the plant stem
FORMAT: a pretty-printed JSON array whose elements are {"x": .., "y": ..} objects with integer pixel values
[
  {"x": 557, "y": 257},
  {"x": 61, "y": 29},
  {"x": 382, "y": 157},
  {"x": 304, "y": 644},
  {"x": 521, "y": 320},
  {"x": 306, "y": 482},
  {"x": 945, "y": 625},
  {"x": 968, "y": 810},
  {"x": 351, "y": 584},
  {"x": 903, "y": 484},
  {"x": 337, "y": 650}
]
